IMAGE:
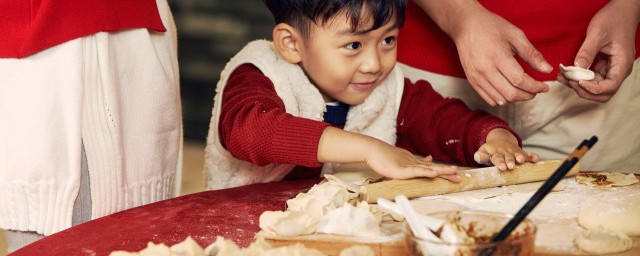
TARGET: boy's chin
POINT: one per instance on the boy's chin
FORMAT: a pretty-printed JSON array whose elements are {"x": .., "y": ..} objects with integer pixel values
[{"x": 355, "y": 100}]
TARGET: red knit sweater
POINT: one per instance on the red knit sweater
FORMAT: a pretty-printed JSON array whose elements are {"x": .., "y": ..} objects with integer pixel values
[
  {"x": 255, "y": 127},
  {"x": 27, "y": 27},
  {"x": 556, "y": 28}
]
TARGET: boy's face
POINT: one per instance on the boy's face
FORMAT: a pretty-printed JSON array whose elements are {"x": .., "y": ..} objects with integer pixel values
[{"x": 347, "y": 66}]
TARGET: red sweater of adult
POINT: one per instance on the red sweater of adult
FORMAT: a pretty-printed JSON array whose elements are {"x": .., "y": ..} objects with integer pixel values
[
  {"x": 255, "y": 127},
  {"x": 27, "y": 27},
  {"x": 555, "y": 28}
]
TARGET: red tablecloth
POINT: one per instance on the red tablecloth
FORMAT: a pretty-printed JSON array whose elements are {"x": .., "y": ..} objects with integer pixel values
[{"x": 231, "y": 213}]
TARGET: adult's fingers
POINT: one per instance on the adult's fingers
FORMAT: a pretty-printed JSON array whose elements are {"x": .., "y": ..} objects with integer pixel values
[
  {"x": 563, "y": 80},
  {"x": 614, "y": 75},
  {"x": 516, "y": 76},
  {"x": 583, "y": 93},
  {"x": 508, "y": 90},
  {"x": 483, "y": 94},
  {"x": 529, "y": 53},
  {"x": 490, "y": 90}
]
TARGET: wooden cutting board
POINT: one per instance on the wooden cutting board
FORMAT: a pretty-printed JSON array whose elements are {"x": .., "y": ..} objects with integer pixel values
[
  {"x": 392, "y": 243},
  {"x": 472, "y": 179}
]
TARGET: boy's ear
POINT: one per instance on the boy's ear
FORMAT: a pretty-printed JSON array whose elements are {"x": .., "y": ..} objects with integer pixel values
[{"x": 287, "y": 41}]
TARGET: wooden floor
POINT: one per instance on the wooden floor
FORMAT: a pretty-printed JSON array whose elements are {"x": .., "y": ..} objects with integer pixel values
[{"x": 192, "y": 180}]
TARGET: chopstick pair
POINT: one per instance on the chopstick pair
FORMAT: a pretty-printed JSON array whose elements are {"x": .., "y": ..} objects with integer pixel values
[{"x": 546, "y": 187}]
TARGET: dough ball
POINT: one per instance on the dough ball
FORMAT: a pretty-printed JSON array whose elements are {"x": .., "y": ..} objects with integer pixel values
[
  {"x": 602, "y": 243},
  {"x": 620, "y": 215}
]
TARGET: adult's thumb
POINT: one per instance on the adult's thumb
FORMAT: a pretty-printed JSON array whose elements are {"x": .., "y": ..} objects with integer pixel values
[{"x": 588, "y": 51}]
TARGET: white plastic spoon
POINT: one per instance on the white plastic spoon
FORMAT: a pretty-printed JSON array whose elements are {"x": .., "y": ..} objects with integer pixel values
[
  {"x": 430, "y": 222},
  {"x": 415, "y": 222}
]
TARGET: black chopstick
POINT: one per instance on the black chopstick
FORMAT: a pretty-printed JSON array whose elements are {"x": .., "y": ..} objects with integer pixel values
[{"x": 537, "y": 197}]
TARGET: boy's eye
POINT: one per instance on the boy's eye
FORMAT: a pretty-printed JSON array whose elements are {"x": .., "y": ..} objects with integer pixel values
[
  {"x": 353, "y": 46},
  {"x": 389, "y": 40}
]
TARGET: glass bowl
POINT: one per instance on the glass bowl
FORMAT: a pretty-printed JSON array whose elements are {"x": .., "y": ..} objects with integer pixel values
[{"x": 482, "y": 226}]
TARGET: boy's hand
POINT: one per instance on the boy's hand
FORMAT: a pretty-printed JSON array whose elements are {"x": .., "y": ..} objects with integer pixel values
[
  {"x": 501, "y": 149},
  {"x": 339, "y": 146},
  {"x": 398, "y": 163}
]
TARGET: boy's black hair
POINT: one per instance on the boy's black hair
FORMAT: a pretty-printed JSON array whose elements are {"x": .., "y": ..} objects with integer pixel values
[{"x": 300, "y": 13}]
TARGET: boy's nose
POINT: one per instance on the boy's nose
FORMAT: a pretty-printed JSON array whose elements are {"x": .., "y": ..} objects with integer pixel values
[{"x": 371, "y": 63}]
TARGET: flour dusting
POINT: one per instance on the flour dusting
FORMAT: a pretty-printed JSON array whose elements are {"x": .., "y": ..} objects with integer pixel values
[{"x": 557, "y": 213}]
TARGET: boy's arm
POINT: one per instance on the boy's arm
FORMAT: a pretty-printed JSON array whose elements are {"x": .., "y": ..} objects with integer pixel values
[
  {"x": 429, "y": 124},
  {"x": 255, "y": 127}
]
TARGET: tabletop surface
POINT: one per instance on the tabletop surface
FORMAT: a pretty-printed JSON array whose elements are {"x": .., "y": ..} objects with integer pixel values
[{"x": 231, "y": 213}]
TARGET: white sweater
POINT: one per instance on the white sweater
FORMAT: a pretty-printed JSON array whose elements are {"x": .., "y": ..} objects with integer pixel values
[{"x": 115, "y": 93}]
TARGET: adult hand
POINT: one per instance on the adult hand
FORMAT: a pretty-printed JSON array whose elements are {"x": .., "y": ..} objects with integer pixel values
[
  {"x": 610, "y": 47},
  {"x": 487, "y": 44}
]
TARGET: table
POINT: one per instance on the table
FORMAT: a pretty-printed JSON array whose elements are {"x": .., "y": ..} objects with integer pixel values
[{"x": 231, "y": 213}]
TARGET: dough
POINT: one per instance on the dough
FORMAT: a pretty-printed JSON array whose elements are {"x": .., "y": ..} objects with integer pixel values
[
  {"x": 601, "y": 243},
  {"x": 188, "y": 247},
  {"x": 288, "y": 223},
  {"x": 222, "y": 247},
  {"x": 607, "y": 179},
  {"x": 620, "y": 215},
  {"x": 350, "y": 220},
  {"x": 258, "y": 247},
  {"x": 357, "y": 250},
  {"x": 576, "y": 73},
  {"x": 547, "y": 238},
  {"x": 320, "y": 199}
]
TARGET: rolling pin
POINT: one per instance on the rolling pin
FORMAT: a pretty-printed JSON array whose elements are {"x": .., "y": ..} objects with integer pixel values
[{"x": 472, "y": 179}]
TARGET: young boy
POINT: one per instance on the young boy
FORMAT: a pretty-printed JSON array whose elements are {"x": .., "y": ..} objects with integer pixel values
[{"x": 326, "y": 90}]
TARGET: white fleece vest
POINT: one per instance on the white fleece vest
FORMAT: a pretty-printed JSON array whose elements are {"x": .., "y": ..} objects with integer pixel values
[{"x": 375, "y": 117}]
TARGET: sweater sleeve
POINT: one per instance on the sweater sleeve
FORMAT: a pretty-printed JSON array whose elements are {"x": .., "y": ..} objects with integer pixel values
[
  {"x": 429, "y": 124},
  {"x": 255, "y": 127}
]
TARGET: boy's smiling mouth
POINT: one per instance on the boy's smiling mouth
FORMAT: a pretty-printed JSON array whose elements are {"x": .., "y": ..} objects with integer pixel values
[{"x": 364, "y": 86}]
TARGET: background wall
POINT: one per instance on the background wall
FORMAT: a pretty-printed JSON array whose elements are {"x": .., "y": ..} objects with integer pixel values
[{"x": 210, "y": 32}]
